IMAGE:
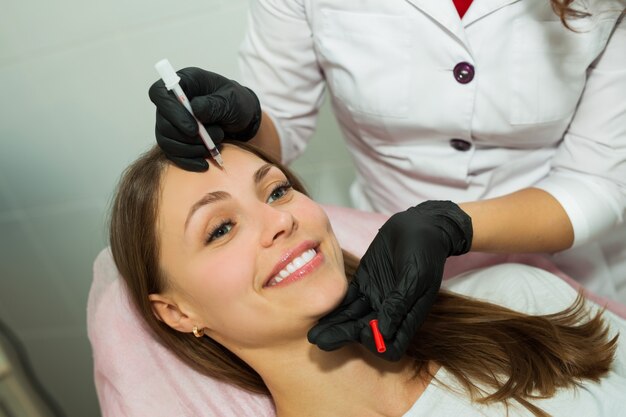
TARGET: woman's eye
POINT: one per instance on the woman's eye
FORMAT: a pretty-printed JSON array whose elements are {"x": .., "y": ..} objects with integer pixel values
[
  {"x": 279, "y": 192},
  {"x": 220, "y": 231}
]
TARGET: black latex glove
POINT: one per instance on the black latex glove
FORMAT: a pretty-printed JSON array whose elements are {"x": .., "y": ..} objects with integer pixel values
[
  {"x": 398, "y": 278},
  {"x": 224, "y": 107}
]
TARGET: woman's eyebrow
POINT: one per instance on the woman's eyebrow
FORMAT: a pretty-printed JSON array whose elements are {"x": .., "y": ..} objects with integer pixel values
[
  {"x": 208, "y": 198},
  {"x": 262, "y": 172},
  {"x": 212, "y": 197}
]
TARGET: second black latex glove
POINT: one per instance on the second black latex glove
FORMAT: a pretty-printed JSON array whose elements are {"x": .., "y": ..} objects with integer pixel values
[
  {"x": 398, "y": 278},
  {"x": 224, "y": 107}
]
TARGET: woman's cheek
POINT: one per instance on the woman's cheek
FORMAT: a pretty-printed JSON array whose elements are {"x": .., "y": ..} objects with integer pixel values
[
  {"x": 310, "y": 210},
  {"x": 225, "y": 277}
]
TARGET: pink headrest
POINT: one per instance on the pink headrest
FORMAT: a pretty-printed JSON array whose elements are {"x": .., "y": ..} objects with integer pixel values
[{"x": 136, "y": 376}]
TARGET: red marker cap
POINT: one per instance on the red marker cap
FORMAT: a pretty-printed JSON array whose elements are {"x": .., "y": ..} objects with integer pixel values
[{"x": 378, "y": 337}]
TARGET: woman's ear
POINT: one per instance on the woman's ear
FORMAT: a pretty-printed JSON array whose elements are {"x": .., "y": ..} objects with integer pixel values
[{"x": 168, "y": 311}]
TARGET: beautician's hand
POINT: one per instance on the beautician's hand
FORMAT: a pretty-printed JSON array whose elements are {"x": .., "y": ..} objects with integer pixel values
[
  {"x": 398, "y": 278},
  {"x": 224, "y": 107}
]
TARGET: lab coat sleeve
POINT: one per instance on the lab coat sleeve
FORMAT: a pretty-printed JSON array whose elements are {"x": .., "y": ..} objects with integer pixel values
[
  {"x": 277, "y": 60},
  {"x": 588, "y": 173}
]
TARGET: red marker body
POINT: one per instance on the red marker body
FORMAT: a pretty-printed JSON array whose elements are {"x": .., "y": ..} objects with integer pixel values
[{"x": 378, "y": 337}]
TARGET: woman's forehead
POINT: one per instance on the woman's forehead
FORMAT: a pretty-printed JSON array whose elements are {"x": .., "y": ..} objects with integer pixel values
[
  {"x": 236, "y": 155},
  {"x": 182, "y": 189},
  {"x": 238, "y": 163}
]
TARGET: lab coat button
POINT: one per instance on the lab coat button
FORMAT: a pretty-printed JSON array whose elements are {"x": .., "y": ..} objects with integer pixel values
[
  {"x": 463, "y": 72},
  {"x": 460, "y": 144}
]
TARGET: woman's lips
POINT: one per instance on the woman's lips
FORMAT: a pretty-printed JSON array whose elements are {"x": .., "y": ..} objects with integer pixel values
[
  {"x": 289, "y": 256},
  {"x": 312, "y": 259}
]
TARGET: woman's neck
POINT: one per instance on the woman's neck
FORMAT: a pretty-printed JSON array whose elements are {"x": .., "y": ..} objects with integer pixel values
[{"x": 351, "y": 381}]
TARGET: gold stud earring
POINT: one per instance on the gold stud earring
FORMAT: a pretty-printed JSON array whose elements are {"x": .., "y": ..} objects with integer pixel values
[{"x": 198, "y": 333}]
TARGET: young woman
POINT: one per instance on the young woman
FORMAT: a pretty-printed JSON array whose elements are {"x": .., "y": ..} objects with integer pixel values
[{"x": 232, "y": 267}]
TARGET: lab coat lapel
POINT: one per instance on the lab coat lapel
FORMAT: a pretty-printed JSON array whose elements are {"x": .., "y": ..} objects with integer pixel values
[
  {"x": 444, "y": 13},
  {"x": 482, "y": 8}
]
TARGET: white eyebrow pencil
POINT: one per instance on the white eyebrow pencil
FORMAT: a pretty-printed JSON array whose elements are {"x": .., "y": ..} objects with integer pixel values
[{"x": 171, "y": 80}]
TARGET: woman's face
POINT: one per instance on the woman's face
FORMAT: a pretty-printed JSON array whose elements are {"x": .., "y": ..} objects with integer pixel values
[{"x": 245, "y": 256}]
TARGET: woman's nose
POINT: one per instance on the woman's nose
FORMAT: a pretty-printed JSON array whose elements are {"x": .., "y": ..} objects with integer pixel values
[{"x": 277, "y": 223}]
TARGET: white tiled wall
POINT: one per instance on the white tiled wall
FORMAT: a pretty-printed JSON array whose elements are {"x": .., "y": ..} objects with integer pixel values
[{"x": 74, "y": 112}]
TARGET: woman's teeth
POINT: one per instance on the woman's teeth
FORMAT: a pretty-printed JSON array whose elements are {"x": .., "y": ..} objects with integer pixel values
[{"x": 292, "y": 266}]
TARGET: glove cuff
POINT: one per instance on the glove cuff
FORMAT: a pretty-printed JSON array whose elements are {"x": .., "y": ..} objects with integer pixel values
[
  {"x": 454, "y": 221},
  {"x": 253, "y": 127}
]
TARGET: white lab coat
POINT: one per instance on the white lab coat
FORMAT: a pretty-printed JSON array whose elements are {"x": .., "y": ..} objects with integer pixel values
[{"x": 546, "y": 107}]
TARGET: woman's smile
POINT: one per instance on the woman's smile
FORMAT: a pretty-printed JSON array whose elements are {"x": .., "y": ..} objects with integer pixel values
[{"x": 295, "y": 268}]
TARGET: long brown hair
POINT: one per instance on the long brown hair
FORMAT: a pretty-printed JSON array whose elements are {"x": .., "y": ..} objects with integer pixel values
[{"x": 514, "y": 355}]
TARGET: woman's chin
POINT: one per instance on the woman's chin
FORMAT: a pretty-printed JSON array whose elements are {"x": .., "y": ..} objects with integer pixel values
[{"x": 325, "y": 301}]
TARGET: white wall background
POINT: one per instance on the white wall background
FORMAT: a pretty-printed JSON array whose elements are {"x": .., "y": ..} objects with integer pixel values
[{"x": 74, "y": 111}]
